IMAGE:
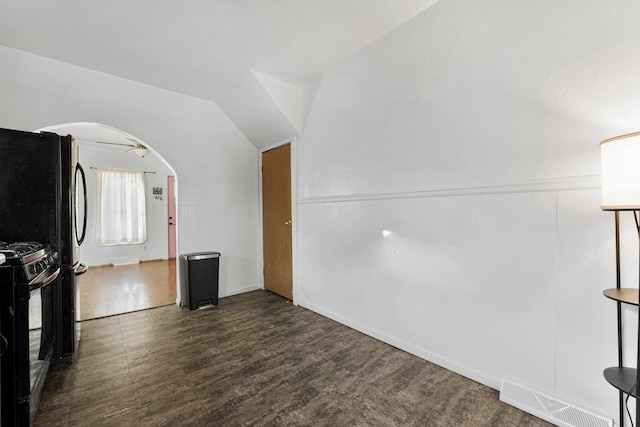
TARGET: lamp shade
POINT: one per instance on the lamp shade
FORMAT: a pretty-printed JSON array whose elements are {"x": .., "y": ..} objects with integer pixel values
[{"x": 620, "y": 158}]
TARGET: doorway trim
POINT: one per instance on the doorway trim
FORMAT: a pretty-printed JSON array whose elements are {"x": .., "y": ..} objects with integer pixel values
[{"x": 294, "y": 212}]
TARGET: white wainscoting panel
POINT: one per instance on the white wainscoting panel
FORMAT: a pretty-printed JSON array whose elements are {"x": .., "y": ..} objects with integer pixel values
[
  {"x": 503, "y": 285},
  {"x": 468, "y": 280}
]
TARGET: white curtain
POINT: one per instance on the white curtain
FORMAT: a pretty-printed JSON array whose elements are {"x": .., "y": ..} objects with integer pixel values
[{"x": 120, "y": 213}]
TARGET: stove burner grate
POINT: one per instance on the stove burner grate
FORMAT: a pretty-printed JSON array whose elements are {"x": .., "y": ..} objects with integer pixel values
[{"x": 19, "y": 249}]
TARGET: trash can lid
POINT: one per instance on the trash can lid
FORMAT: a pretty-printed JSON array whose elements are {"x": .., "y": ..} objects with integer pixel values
[{"x": 195, "y": 256}]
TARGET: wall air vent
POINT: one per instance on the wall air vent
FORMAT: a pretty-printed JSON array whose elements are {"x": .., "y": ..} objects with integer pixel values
[{"x": 549, "y": 409}]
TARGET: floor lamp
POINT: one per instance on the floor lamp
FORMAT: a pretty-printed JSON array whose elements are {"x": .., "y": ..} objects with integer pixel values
[{"x": 620, "y": 157}]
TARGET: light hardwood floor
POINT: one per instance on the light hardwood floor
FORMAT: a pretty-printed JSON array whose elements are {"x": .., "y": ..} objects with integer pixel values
[
  {"x": 107, "y": 291},
  {"x": 256, "y": 360}
]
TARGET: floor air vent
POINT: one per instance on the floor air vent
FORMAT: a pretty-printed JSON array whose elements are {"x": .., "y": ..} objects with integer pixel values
[{"x": 549, "y": 409}]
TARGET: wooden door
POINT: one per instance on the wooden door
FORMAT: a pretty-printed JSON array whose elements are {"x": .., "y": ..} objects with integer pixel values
[
  {"x": 171, "y": 220},
  {"x": 276, "y": 221}
]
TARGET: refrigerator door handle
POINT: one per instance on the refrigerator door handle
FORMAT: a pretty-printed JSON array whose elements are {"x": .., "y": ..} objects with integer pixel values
[{"x": 84, "y": 221}]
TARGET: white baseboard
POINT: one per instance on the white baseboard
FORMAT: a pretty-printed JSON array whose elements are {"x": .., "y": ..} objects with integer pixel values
[
  {"x": 125, "y": 260},
  {"x": 230, "y": 292}
]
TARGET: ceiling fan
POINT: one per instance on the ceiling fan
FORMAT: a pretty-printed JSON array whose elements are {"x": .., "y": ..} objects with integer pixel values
[{"x": 137, "y": 148}]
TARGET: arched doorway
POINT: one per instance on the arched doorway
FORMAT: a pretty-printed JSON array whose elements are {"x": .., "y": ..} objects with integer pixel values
[{"x": 102, "y": 146}]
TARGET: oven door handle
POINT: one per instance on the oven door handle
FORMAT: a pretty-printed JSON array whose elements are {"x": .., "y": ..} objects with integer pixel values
[
  {"x": 38, "y": 282},
  {"x": 79, "y": 269}
]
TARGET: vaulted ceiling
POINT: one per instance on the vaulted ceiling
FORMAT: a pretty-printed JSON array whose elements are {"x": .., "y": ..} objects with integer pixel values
[{"x": 233, "y": 52}]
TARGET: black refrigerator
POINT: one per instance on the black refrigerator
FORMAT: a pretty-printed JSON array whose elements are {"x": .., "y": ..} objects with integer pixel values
[{"x": 41, "y": 186}]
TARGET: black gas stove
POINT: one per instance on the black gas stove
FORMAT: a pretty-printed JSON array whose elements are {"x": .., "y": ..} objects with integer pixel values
[
  {"x": 34, "y": 258},
  {"x": 28, "y": 289}
]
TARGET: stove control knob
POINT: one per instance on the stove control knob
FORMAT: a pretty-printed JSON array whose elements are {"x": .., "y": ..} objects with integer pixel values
[
  {"x": 54, "y": 256},
  {"x": 32, "y": 269}
]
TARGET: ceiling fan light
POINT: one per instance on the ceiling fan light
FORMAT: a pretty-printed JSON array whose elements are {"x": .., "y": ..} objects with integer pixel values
[{"x": 140, "y": 151}]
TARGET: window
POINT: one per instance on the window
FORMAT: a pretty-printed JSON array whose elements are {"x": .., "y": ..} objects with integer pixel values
[{"x": 121, "y": 217}]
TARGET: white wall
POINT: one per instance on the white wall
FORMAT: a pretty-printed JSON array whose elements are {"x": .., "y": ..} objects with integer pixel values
[
  {"x": 156, "y": 246},
  {"x": 216, "y": 165},
  {"x": 471, "y": 133}
]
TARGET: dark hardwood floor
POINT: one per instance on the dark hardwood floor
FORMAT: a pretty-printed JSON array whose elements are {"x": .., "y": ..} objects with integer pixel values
[{"x": 255, "y": 360}]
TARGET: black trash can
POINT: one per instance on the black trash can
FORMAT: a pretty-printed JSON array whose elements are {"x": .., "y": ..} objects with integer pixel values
[{"x": 199, "y": 278}]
